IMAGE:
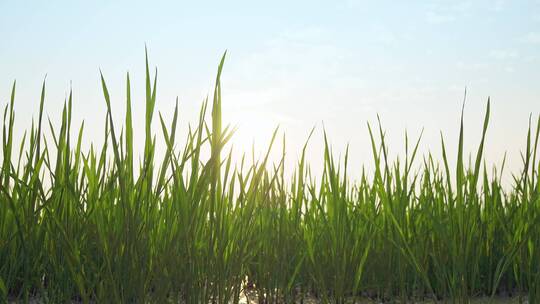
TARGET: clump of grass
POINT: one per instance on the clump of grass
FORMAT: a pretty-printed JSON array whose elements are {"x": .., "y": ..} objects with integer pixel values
[{"x": 91, "y": 226}]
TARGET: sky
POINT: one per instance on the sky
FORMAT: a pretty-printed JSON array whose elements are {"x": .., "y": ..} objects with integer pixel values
[{"x": 332, "y": 65}]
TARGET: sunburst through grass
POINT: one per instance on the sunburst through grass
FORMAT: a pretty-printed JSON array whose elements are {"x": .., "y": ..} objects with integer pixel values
[{"x": 93, "y": 226}]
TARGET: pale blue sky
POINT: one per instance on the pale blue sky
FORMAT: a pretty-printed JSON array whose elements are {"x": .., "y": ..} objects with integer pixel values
[{"x": 292, "y": 63}]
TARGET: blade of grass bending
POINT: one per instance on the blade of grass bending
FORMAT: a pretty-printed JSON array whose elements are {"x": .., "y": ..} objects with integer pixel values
[
  {"x": 481, "y": 147},
  {"x": 129, "y": 130},
  {"x": 460, "y": 173}
]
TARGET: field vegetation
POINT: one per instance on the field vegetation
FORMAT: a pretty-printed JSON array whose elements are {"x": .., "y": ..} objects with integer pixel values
[{"x": 195, "y": 227}]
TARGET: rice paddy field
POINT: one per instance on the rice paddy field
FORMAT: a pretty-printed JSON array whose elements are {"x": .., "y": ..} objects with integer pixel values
[{"x": 190, "y": 225}]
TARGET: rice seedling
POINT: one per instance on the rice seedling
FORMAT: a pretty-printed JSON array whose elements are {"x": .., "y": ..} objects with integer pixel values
[{"x": 92, "y": 226}]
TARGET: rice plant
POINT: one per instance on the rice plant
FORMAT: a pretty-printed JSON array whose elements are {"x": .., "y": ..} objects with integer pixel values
[{"x": 94, "y": 226}]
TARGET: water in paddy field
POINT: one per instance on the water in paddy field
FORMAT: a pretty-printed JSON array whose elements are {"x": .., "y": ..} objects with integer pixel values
[{"x": 251, "y": 298}]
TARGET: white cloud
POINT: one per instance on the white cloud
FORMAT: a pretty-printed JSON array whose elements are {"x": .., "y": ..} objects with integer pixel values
[
  {"x": 386, "y": 37},
  {"x": 449, "y": 12},
  {"x": 355, "y": 3},
  {"x": 504, "y": 54},
  {"x": 531, "y": 37},
  {"x": 509, "y": 69},
  {"x": 472, "y": 66},
  {"x": 438, "y": 18},
  {"x": 499, "y": 5}
]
